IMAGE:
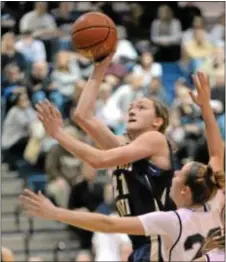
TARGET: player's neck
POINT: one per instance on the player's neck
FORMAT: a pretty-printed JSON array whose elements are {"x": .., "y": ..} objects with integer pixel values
[{"x": 134, "y": 135}]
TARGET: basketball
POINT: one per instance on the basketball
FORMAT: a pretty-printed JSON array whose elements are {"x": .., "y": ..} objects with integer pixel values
[{"x": 94, "y": 35}]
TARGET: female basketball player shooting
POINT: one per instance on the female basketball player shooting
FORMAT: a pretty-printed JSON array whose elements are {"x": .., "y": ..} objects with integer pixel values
[
  {"x": 144, "y": 162},
  {"x": 181, "y": 233}
]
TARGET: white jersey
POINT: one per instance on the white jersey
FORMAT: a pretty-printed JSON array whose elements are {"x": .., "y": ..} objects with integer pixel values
[
  {"x": 182, "y": 232},
  {"x": 215, "y": 255}
]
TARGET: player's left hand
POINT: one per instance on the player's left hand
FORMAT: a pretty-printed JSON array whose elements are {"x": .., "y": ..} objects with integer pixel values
[
  {"x": 36, "y": 205},
  {"x": 201, "y": 82},
  {"x": 50, "y": 117}
]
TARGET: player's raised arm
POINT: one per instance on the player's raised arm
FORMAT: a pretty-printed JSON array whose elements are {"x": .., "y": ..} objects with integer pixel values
[
  {"x": 214, "y": 140},
  {"x": 146, "y": 145},
  {"x": 152, "y": 223},
  {"x": 84, "y": 115}
]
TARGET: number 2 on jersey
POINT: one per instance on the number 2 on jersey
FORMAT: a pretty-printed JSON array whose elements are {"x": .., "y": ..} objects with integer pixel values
[{"x": 198, "y": 239}]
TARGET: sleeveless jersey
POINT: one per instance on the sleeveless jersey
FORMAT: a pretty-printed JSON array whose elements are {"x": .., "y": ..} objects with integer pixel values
[
  {"x": 183, "y": 232},
  {"x": 140, "y": 188}
]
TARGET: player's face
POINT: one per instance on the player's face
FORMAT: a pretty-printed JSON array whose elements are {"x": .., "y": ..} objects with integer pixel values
[
  {"x": 141, "y": 116},
  {"x": 179, "y": 192}
]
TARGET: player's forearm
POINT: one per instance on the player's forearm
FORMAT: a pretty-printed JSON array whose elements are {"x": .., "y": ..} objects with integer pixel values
[
  {"x": 88, "y": 97},
  {"x": 84, "y": 220},
  {"x": 215, "y": 143},
  {"x": 85, "y": 152}
]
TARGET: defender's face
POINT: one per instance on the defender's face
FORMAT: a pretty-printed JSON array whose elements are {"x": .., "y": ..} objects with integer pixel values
[
  {"x": 141, "y": 116},
  {"x": 179, "y": 190}
]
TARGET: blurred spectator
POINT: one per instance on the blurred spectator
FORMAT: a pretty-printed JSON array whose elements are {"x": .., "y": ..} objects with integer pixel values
[
  {"x": 197, "y": 23},
  {"x": 7, "y": 255},
  {"x": 8, "y": 19},
  {"x": 214, "y": 67},
  {"x": 85, "y": 66},
  {"x": 103, "y": 96},
  {"x": 133, "y": 22},
  {"x": 40, "y": 85},
  {"x": 186, "y": 66},
  {"x": 64, "y": 19},
  {"x": 125, "y": 50},
  {"x": 217, "y": 34},
  {"x": 13, "y": 83},
  {"x": 13, "y": 79},
  {"x": 83, "y": 256},
  {"x": 148, "y": 68},
  {"x": 166, "y": 35},
  {"x": 62, "y": 169},
  {"x": 156, "y": 90},
  {"x": 39, "y": 22},
  {"x": 32, "y": 49},
  {"x": 199, "y": 47},
  {"x": 107, "y": 247},
  {"x": 85, "y": 195},
  {"x": 107, "y": 8},
  {"x": 35, "y": 259},
  {"x": 188, "y": 117},
  {"x": 121, "y": 99},
  {"x": 42, "y": 25},
  {"x": 19, "y": 118},
  {"x": 186, "y": 13},
  {"x": 9, "y": 54},
  {"x": 115, "y": 74},
  {"x": 65, "y": 74}
]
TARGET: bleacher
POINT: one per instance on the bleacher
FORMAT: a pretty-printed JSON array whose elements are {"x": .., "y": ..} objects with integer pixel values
[{"x": 27, "y": 236}]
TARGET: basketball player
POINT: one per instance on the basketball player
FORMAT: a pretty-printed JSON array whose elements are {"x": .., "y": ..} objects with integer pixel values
[
  {"x": 182, "y": 232},
  {"x": 54, "y": 127},
  {"x": 144, "y": 162}
]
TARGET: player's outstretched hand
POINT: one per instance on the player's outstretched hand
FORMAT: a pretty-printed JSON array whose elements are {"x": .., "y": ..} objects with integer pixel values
[
  {"x": 201, "y": 82},
  {"x": 103, "y": 64},
  {"x": 50, "y": 117},
  {"x": 36, "y": 205}
]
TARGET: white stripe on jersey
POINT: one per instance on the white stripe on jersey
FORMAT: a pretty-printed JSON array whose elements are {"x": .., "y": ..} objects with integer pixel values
[{"x": 215, "y": 255}]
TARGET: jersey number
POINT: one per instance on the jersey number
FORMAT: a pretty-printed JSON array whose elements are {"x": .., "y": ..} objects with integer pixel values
[
  {"x": 120, "y": 185},
  {"x": 197, "y": 239}
]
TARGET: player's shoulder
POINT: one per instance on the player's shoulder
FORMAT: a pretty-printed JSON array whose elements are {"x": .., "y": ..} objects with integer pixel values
[
  {"x": 184, "y": 213},
  {"x": 153, "y": 136}
]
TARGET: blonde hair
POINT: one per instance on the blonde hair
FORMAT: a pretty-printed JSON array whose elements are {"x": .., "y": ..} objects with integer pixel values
[{"x": 161, "y": 111}]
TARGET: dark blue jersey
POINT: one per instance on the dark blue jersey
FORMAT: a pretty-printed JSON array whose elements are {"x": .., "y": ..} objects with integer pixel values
[{"x": 141, "y": 188}]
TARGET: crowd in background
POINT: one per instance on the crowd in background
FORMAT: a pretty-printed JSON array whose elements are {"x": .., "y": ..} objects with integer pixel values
[{"x": 156, "y": 42}]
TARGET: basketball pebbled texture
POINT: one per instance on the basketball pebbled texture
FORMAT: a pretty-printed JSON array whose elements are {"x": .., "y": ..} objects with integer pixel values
[{"x": 94, "y": 35}]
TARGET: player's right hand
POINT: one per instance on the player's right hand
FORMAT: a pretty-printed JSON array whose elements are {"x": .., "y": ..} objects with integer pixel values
[
  {"x": 36, "y": 205},
  {"x": 201, "y": 83},
  {"x": 103, "y": 64}
]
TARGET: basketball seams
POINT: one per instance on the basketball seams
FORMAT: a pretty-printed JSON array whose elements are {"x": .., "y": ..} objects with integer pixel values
[
  {"x": 95, "y": 44},
  {"x": 100, "y": 28},
  {"x": 88, "y": 27},
  {"x": 102, "y": 41}
]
